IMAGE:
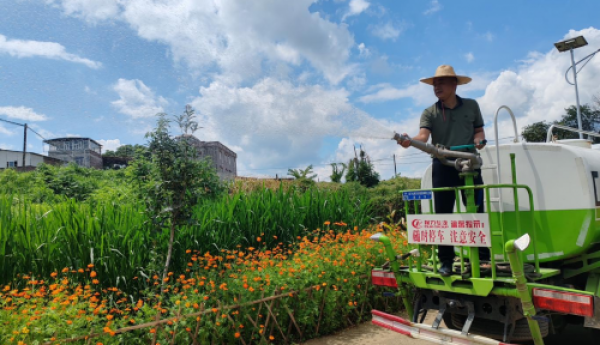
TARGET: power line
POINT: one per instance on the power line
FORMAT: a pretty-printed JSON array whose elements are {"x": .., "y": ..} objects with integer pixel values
[{"x": 14, "y": 123}]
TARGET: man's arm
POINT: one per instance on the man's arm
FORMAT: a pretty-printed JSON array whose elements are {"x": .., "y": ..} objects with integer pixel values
[
  {"x": 423, "y": 136},
  {"x": 479, "y": 136}
]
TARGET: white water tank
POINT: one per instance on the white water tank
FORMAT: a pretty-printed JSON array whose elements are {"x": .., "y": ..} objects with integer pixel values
[{"x": 576, "y": 142}]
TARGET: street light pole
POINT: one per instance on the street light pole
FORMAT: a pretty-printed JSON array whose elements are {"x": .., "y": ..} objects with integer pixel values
[
  {"x": 570, "y": 44},
  {"x": 574, "y": 67}
]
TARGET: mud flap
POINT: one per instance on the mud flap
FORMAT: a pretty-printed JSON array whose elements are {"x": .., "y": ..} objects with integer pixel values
[{"x": 425, "y": 332}]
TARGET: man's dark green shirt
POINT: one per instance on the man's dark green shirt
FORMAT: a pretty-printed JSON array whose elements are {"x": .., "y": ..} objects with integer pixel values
[{"x": 453, "y": 127}]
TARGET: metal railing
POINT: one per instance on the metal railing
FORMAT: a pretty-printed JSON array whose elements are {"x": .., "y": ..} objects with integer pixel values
[
  {"x": 570, "y": 129},
  {"x": 488, "y": 209}
]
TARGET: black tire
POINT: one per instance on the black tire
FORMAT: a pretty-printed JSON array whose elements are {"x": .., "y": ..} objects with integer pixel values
[
  {"x": 448, "y": 321},
  {"x": 495, "y": 329}
]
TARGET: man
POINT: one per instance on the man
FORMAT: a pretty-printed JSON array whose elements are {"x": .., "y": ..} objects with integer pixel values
[{"x": 451, "y": 121}]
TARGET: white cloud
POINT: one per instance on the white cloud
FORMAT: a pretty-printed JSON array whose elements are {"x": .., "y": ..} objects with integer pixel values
[
  {"x": 363, "y": 51},
  {"x": 356, "y": 7},
  {"x": 5, "y": 146},
  {"x": 88, "y": 90},
  {"x": 278, "y": 123},
  {"x": 50, "y": 50},
  {"x": 537, "y": 90},
  {"x": 488, "y": 36},
  {"x": 421, "y": 94},
  {"x": 381, "y": 66},
  {"x": 22, "y": 113},
  {"x": 387, "y": 31},
  {"x": 90, "y": 10},
  {"x": 434, "y": 6},
  {"x": 469, "y": 57},
  {"x": 235, "y": 36},
  {"x": 136, "y": 99},
  {"x": 109, "y": 144},
  {"x": 44, "y": 133},
  {"x": 5, "y": 131}
]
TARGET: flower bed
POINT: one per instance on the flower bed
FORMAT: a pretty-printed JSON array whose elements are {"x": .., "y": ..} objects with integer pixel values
[{"x": 248, "y": 295}]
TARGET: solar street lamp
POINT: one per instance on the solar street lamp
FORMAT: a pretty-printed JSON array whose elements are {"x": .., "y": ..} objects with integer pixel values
[{"x": 569, "y": 45}]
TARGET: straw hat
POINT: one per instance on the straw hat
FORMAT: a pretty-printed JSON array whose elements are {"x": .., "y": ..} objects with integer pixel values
[{"x": 446, "y": 71}]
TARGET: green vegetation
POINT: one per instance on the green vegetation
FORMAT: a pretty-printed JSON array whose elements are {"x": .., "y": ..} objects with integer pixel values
[
  {"x": 113, "y": 247},
  {"x": 119, "y": 238},
  {"x": 361, "y": 170},
  {"x": 590, "y": 119}
]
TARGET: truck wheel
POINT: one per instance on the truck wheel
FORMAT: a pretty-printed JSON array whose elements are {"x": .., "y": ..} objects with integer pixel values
[
  {"x": 448, "y": 321},
  {"x": 495, "y": 329}
]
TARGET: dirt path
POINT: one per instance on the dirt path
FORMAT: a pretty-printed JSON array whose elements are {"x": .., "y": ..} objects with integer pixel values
[{"x": 369, "y": 334}]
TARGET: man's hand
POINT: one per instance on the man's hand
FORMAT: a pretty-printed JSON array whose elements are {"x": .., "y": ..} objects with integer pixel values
[
  {"x": 479, "y": 144},
  {"x": 404, "y": 143},
  {"x": 422, "y": 136},
  {"x": 479, "y": 138}
]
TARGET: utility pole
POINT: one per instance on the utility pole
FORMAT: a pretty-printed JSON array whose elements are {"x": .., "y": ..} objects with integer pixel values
[
  {"x": 24, "y": 143},
  {"x": 356, "y": 164},
  {"x": 395, "y": 173}
]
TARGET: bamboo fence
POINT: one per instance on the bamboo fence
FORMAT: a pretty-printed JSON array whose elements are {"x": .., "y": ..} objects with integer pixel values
[{"x": 279, "y": 324}]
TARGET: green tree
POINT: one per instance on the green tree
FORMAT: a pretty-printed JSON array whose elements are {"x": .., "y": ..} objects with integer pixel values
[
  {"x": 535, "y": 132},
  {"x": 336, "y": 173},
  {"x": 351, "y": 174},
  {"x": 590, "y": 118},
  {"x": 125, "y": 151},
  {"x": 303, "y": 177},
  {"x": 367, "y": 175},
  {"x": 302, "y": 173},
  {"x": 173, "y": 181},
  {"x": 362, "y": 170}
]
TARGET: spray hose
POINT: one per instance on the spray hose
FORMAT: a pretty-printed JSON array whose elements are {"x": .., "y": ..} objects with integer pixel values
[{"x": 465, "y": 161}]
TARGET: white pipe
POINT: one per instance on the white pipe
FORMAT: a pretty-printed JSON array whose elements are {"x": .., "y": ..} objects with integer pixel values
[{"x": 515, "y": 140}]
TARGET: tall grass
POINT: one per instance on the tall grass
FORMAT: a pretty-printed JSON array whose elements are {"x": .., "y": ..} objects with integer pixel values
[{"x": 39, "y": 239}]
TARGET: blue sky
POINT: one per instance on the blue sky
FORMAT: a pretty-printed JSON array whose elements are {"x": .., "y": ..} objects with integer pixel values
[{"x": 283, "y": 83}]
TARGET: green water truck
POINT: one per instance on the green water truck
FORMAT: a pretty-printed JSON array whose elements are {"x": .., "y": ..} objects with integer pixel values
[{"x": 541, "y": 225}]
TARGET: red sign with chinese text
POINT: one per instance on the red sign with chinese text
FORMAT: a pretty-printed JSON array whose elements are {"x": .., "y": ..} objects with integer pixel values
[{"x": 458, "y": 229}]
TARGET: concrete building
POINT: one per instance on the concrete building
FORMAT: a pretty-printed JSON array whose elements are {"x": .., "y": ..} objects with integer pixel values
[
  {"x": 14, "y": 159},
  {"x": 85, "y": 152},
  {"x": 223, "y": 159}
]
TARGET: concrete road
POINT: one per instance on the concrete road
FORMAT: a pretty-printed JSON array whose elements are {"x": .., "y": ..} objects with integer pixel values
[{"x": 369, "y": 334}]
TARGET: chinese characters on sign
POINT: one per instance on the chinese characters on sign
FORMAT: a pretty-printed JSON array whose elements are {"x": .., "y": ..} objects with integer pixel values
[{"x": 464, "y": 229}]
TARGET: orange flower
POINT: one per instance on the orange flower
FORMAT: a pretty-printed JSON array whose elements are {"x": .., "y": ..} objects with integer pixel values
[
  {"x": 237, "y": 334},
  {"x": 109, "y": 317},
  {"x": 69, "y": 322},
  {"x": 93, "y": 274},
  {"x": 53, "y": 274},
  {"x": 153, "y": 330},
  {"x": 258, "y": 239},
  {"x": 271, "y": 337}
]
